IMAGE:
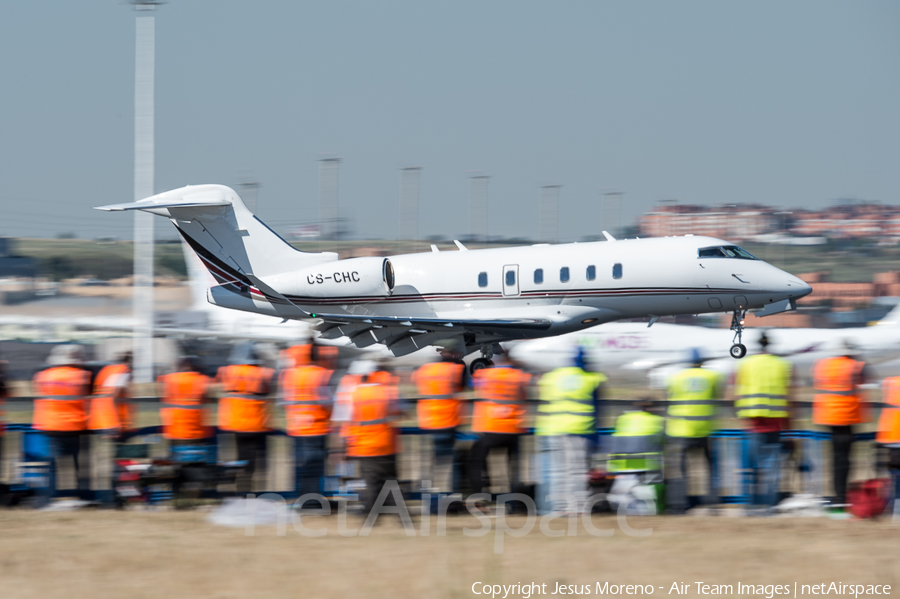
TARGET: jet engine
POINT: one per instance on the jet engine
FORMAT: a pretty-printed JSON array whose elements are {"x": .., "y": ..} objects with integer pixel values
[{"x": 353, "y": 277}]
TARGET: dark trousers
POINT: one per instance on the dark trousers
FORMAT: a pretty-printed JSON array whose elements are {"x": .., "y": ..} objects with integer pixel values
[
  {"x": 376, "y": 471},
  {"x": 677, "y": 454},
  {"x": 77, "y": 445},
  {"x": 480, "y": 450},
  {"x": 894, "y": 469},
  {"x": 841, "y": 443},
  {"x": 251, "y": 448},
  {"x": 309, "y": 463},
  {"x": 443, "y": 471},
  {"x": 765, "y": 468}
]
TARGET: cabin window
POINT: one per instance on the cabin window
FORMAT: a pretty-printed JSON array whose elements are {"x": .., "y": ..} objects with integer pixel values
[
  {"x": 482, "y": 279},
  {"x": 510, "y": 278},
  {"x": 564, "y": 274},
  {"x": 617, "y": 271},
  {"x": 591, "y": 272},
  {"x": 539, "y": 276}
]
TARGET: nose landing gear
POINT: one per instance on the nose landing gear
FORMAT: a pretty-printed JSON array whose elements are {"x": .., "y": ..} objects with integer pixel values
[{"x": 738, "y": 350}]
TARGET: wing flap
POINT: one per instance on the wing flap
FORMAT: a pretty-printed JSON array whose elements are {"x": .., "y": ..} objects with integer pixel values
[{"x": 433, "y": 325}]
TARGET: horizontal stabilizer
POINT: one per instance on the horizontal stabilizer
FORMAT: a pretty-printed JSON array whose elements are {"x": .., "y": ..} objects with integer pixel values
[
  {"x": 154, "y": 206},
  {"x": 285, "y": 308}
]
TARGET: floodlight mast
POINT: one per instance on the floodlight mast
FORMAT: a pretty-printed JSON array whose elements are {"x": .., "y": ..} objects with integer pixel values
[{"x": 144, "y": 76}]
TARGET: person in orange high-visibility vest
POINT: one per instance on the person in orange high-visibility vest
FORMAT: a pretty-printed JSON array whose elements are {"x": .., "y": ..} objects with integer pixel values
[
  {"x": 498, "y": 417},
  {"x": 439, "y": 385},
  {"x": 371, "y": 433},
  {"x": 838, "y": 404},
  {"x": 185, "y": 395},
  {"x": 244, "y": 409},
  {"x": 62, "y": 392},
  {"x": 888, "y": 435},
  {"x": 111, "y": 412},
  {"x": 297, "y": 355},
  {"x": 304, "y": 391}
]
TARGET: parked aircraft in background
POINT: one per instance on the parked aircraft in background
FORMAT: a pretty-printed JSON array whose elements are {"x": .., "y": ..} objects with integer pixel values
[
  {"x": 466, "y": 300},
  {"x": 632, "y": 350}
]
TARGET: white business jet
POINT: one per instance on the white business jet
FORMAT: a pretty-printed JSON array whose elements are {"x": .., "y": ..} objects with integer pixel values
[
  {"x": 470, "y": 300},
  {"x": 629, "y": 351}
]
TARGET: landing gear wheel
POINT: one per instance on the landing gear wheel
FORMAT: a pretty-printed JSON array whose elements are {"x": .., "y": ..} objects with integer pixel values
[
  {"x": 738, "y": 351},
  {"x": 478, "y": 364}
]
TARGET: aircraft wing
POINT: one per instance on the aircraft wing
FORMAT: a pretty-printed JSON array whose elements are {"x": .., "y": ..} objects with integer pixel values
[{"x": 403, "y": 335}]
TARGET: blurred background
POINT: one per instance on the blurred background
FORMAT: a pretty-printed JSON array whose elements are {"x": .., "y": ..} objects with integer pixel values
[{"x": 383, "y": 128}]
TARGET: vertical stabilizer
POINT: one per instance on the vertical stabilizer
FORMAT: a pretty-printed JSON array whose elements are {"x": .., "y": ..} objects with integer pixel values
[{"x": 228, "y": 238}]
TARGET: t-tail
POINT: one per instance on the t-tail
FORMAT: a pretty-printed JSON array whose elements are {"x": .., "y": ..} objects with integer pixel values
[{"x": 235, "y": 246}]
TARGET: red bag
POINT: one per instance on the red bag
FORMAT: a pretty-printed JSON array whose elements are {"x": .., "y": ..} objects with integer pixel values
[{"x": 869, "y": 498}]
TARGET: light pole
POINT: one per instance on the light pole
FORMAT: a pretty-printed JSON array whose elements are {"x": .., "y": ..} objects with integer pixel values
[
  {"x": 548, "y": 226},
  {"x": 610, "y": 211},
  {"x": 409, "y": 205},
  {"x": 144, "y": 73}
]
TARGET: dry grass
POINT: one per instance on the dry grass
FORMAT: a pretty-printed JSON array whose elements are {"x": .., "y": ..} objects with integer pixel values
[{"x": 178, "y": 554}]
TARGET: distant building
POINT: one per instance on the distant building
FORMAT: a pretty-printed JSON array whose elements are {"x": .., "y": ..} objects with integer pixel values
[
  {"x": 732, "y": 222},
  {"x": 739, "y": 222}
]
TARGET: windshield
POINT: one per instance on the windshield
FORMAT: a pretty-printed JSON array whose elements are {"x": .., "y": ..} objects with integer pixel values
[{"x": 725, "y": 251}]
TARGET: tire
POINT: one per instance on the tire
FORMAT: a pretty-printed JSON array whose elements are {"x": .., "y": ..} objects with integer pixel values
[
  {"x": 479, "y": 364},
  {"x": 738, "y": 351}
]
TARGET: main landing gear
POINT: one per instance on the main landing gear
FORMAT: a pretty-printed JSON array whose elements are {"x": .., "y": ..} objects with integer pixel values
[
  {"x": 738, "y": 350},
  {"x": 487, "y": 352}
]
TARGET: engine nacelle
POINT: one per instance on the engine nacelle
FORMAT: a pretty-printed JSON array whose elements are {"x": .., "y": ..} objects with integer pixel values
[{"x": 354, "y": 277}]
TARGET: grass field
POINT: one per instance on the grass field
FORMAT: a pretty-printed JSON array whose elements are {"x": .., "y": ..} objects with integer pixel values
[
  {"x": 138, "y": 554},
  {"x": 66, "y": 258}
]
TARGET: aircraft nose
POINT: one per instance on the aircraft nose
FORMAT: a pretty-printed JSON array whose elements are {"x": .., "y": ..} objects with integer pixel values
[{"x": 796, "y": 288}]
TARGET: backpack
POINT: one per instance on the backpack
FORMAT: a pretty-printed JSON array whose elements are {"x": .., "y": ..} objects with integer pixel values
[{"x": 869, "y": 498}]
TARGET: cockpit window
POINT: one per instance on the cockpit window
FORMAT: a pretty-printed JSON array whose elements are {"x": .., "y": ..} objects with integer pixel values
[{"x": 725, "y": 251}]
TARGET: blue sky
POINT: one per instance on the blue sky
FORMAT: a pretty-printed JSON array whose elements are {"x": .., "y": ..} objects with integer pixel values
[{"x": 792, "y": 104}]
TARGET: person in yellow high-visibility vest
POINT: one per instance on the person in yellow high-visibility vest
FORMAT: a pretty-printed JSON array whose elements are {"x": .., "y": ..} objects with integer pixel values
[
  {"x": 692, "y": 395},
  {"x": 565, "y": 427},
  {"x": 763, "y": 387},
  {"x": 637, "y": 440}
]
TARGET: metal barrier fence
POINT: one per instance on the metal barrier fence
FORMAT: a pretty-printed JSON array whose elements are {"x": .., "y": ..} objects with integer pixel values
[{"x": 730, "y": 461}]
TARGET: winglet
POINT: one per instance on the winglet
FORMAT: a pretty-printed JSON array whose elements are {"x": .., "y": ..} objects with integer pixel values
[
  {"x": 461, "y": 247},
  {"x": 608, "y": 236},
  {"x": 434, "y": 248}
]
